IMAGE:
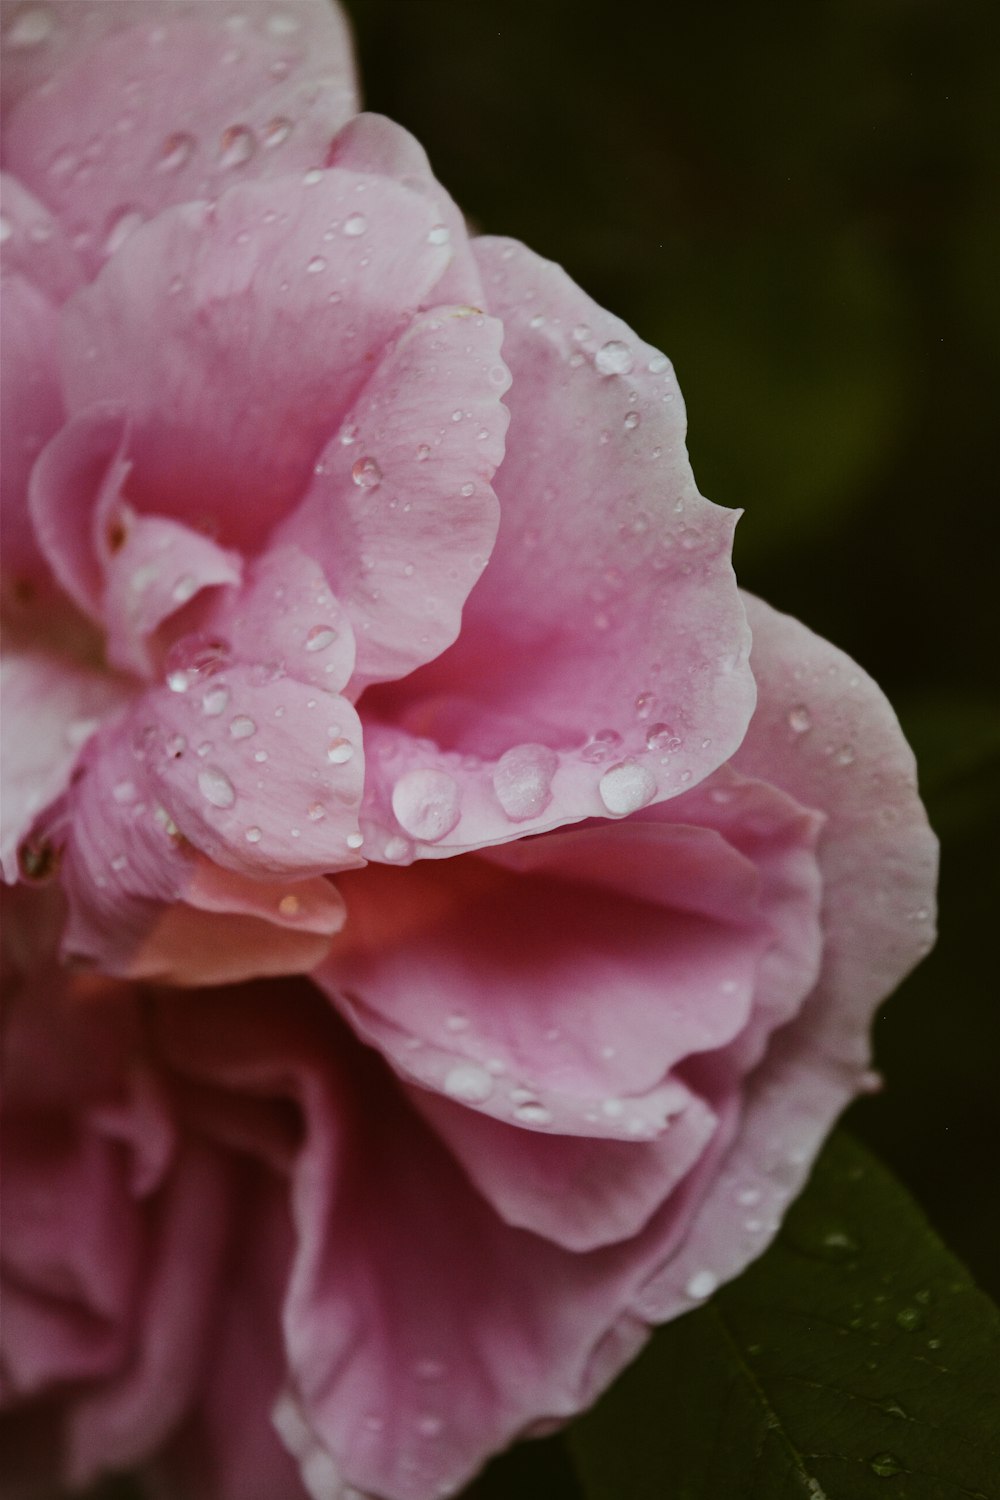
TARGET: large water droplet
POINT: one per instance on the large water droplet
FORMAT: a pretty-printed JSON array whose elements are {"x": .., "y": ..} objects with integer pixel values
[
  {"x": 316, "y": 265},
  {"x": 439, "y": 235},
  {"x": 193, "y": 658},
  {"x": 253, "y": 834},
  {"x": 339, "y": 751},
  {"x": 355, "y": 225},
  {"x": 427, "y": 804},
  {"x": 662, "y": 737},
  {"x": 601, "y": 746},
  {"x": 320, "y": 637},
  {"x": 237, "y": 144},
  {"x": 32, "y": 27},
  {"x": 468, "y": 1082},
  {"x": 702, "y": 1284},
  {"x": 214, "y": 701},
  {"x": 522, "y": 780},
  {"x": 176, "y": 152},
  {"x": 242, "y": 727},
  {"x": 366, "y": 474},
  {"x": 216, "y": 787},
  {"x": 613, "y": 358},
  {"x": 626, "y": 787}
]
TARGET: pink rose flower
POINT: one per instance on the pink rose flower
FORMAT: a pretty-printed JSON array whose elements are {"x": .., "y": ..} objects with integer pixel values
[{"x": 312, "y": 665}]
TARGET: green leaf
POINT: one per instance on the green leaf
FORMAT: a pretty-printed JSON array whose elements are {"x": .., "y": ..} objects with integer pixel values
[{"x": 856, "y": 1360}]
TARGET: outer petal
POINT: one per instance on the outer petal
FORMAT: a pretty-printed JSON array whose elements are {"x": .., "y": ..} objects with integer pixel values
[
  {"x": 607, "y": 629},
  {"x": 287, "y": 296},
  {"x": 105, "y": 159},
  {"x": 51, "y": 707},
  {"x": 825, "y": 733},
  {"x": 401, "y": 512}
]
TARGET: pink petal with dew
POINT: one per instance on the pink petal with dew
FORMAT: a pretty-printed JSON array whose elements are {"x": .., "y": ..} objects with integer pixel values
[
  {"x": 51, "y": 706},
  {"x": 824, "y": 732},
  {"x": 33, "y": 244},
  {"x": 31, "y": 410},
  {"x": 106, "y": 160},
  {"x": 450, "y": 970},
  {"x": 401, "y": 510},
  {"x": 41, "y": 39},
  {"x": 372, "y": 144},
  {"x": 604, "y": 652},
  {"x": 289, "y": 292}
]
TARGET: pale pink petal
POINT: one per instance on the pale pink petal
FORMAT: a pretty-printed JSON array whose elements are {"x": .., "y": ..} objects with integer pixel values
[
  {"x": 824, "y": 732},
  {"x": 31, "y": 410},
  {"x": 285, "y": 298},
  {"x": 51, "y": 707},
  {"x": 580, "y": 1192},
  {"x": 606, "y": 638},
  {"x": 488, "y": 980},
  {"x": 372, "y": 143},
  {"x": 401, "y": 511},
  {"x": 106, "y": 159},
  {"x": 34, "y": 244}
]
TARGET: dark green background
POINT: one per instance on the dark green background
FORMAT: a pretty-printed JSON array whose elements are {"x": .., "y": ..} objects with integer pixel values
[{"x": 797, "y": 203}]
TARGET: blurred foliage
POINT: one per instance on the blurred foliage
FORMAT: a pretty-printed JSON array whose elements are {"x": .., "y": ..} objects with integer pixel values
[{"x": 798, "y": 204}]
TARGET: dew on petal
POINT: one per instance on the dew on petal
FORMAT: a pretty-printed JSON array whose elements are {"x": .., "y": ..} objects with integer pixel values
[
  {"x": 121, "y": 226},
  {"x": 214, "y": 701},
  {"x": 533, "y": 1114},
  {"x": 366, "y": 474},
  {"x": 632, "y": 420},
  {"x": 439, "y": 235},
  {"x": 253, "y": 834},
  {"x": 176, "y": 152},
  {"x": 184, "y": 589},
  {"x": 289, "y": 906},
  {"x": 626, "y": 787},
  {"x": 799, "y": 719},
  {"x": 355, "y": 225},
  {"x": 702, "y": 1284},
  {"x": 32, "y": 27},
  {"x": 354, "y": 840},
  {"x": 339, "y": 751},
  {"x": 316, "y": 265},
  {"x": 395, "y": 849},
  {"x": 601, "y": 746},
  {"x": 662, "y": 737},
  {"x": 522, "y": 780},
  {"x": 275, "y": 132},
  {"x": 613, "y": 358},
  {"x": 242, "y": 727},
  {"x": 427, "y": 804},
  {"x": 468, "y": 1082},
  {"x": 320, "y": 637},
  {"x": 237, "y": 145},
  {"x": 216, "y": 787}
]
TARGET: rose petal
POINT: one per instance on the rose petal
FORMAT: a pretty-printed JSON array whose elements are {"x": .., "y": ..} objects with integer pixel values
[
  {"x": 824, "y": 732},
  {"x": 401, "y": 512},
  {"x": 30, "y": 411},
  {"x": 106, "y": 159},
  {"x": 289, "y": 293},
  {"x": 607, "y": 629}
]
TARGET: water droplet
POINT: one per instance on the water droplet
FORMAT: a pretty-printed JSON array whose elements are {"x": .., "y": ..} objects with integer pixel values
[
  {"x": 644, "y": 705},
  {"x": 427, "y": 804},
  {"x": 429, "y": 1426},
  {"x": 289, "y": 906},
  {"x": 581, "y": 333},
  {"x": 632, "y": 420},
  {"x": 237, "y": 144},
  {"x": 885, "y": 1465},
  {"x": 175, "y": 152},
  {"x": 260, "y": 756},
  {"x": 192, "y": 658},
  {"x": 32, "y": 27},
  {"x": 320, "y": 637},
  {"x": 339, "y": 751},
  {"x": 626, "y": 787},
  {"x": 468, "y": 1082},
  {"x": 354, "y": 840},
  {"x": 216, "y": 787},
  {"x": 214, "y": 701},
  {"x": 366, "y": 474},
  {"x": 121, "y": 226},
  {"x": 457, "y": 1022},
  {"x": 845, "y": 756},
  {"x": 242, "y": 727},
  {"x": 533, "y": 1113},
  {"x": 467, "y": 490},
  {"x": 837, "y": 1245},
  {"x": 253, "y": 835},
  {"x": 395, "y": 849},
  {"x": 439, "y": 235},
  {"x": 909, "y": 1318},
  {"x": 355, "y": 225},
  {"x": 658, "y": 364},
  {"x": 748, "y": 1197},
  {"x": 282, "y": 24},
  {"x": 702, "y": 1284},
  {"x": 184, "y": 589},
  {"x": 613, "y": 358},
  {"x": 275, "y": 132},
  {"x": 312, "y": 177},
  {"x": 316, "y": 265},
  {"x": 799, "y": 719},
  {"x": 601, "y": 746},
  {"x": 522, "y": 780},
  {"x": 124, "y": 792},
  {"x": 662, "y": 737},
  {"x": 175, "y": 746},
  {"x": 423, "y": 453}
]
